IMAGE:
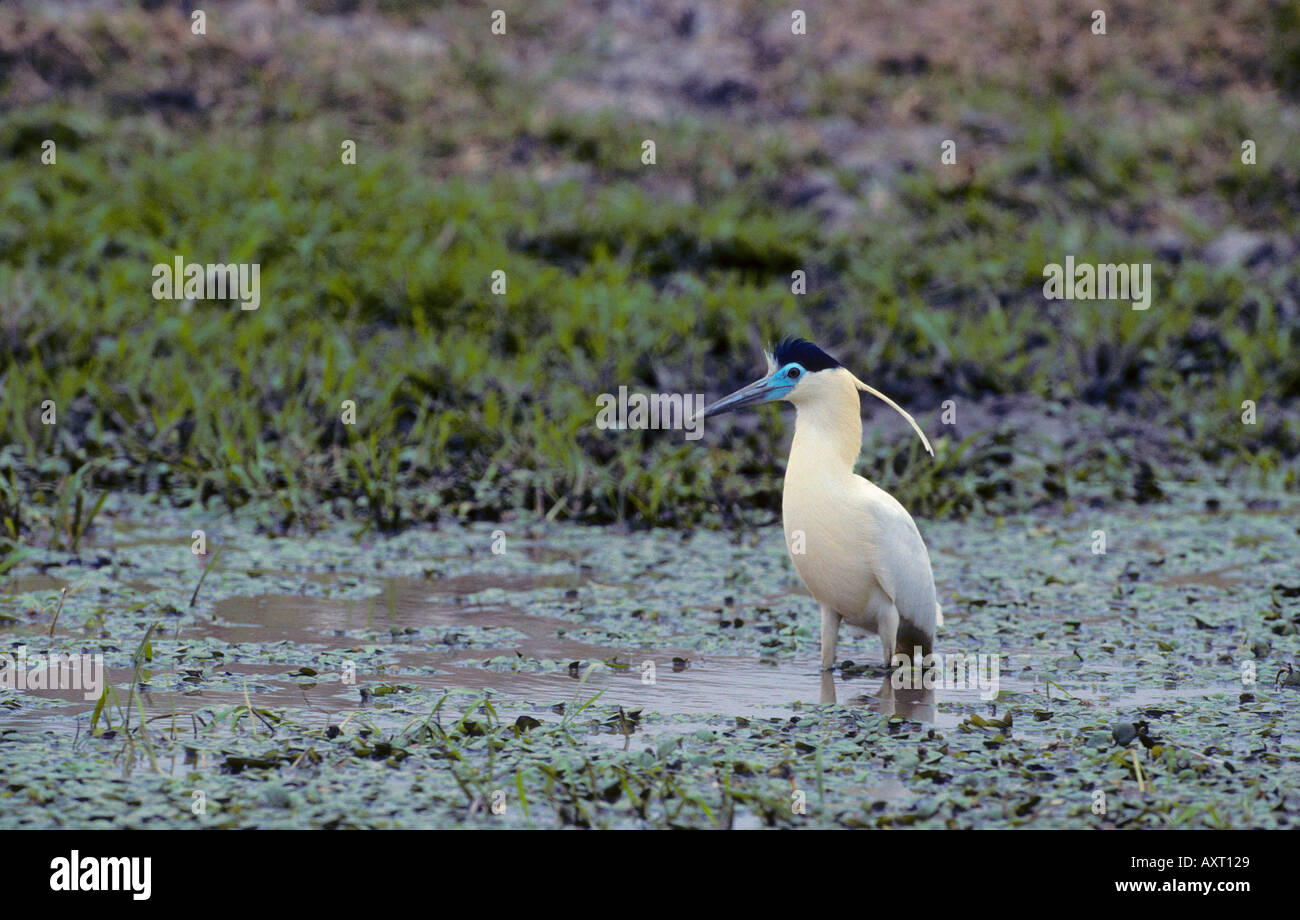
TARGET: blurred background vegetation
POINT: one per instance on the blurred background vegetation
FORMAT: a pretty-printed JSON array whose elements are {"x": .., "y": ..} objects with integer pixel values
[{"x": 522, "y": 152}]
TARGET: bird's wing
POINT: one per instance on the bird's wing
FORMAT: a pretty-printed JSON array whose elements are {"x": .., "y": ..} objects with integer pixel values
[{"x": 897, "y": 555}]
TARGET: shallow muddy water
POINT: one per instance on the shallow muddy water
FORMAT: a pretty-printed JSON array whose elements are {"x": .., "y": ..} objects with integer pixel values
[{"x": 637, "y": 641}]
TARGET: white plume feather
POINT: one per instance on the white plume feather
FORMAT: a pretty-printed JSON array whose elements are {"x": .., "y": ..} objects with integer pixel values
[{"x": 897, "y": 408}]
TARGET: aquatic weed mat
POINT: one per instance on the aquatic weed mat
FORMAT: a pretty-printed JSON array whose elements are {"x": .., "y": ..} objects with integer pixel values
[{"x": 581, "y": 676}]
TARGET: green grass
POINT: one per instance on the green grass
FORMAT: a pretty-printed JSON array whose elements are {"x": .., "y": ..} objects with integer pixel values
[{"x": 375, "y": 288}]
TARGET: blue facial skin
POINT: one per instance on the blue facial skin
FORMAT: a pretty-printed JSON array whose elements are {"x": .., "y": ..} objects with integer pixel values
[{"x": 774, "y": 386}]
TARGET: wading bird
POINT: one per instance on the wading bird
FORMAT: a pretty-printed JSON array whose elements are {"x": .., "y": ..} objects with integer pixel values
[{"x": 856, "y": 549}]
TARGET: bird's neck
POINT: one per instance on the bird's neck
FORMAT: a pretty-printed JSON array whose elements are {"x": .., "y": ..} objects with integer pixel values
[{"x": 827, "y": 431}]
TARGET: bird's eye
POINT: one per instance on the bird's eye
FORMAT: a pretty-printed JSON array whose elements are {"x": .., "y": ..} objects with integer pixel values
[{"x": 793, "y": 373}]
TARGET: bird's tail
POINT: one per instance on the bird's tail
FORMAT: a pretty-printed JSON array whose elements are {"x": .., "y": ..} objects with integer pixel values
[{"x": 900, "y": 410}]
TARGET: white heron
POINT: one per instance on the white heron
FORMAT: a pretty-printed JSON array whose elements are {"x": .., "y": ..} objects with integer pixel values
[{"x": 856, "y": 549}]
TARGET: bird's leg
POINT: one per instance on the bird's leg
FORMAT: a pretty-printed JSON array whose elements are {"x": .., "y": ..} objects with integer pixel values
[
  {"x": 887, "y": 628},
  {"x": 830, "y": 636},
  {"x": 828, "y": 687}
]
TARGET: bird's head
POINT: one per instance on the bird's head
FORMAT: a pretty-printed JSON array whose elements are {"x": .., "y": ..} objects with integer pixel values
[
  {"x": 800, "y": 372},
  {"x": 792, "y": 368}
]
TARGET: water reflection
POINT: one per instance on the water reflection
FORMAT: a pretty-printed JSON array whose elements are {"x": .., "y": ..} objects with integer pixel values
[{"x": 917, "y": 705}]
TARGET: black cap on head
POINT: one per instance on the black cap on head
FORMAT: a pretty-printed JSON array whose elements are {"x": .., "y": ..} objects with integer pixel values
[{"x": 803, "y": 352}]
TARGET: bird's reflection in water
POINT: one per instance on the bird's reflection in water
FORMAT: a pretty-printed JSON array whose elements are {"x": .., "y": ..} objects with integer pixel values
[{"x": 916, "y": 705}]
